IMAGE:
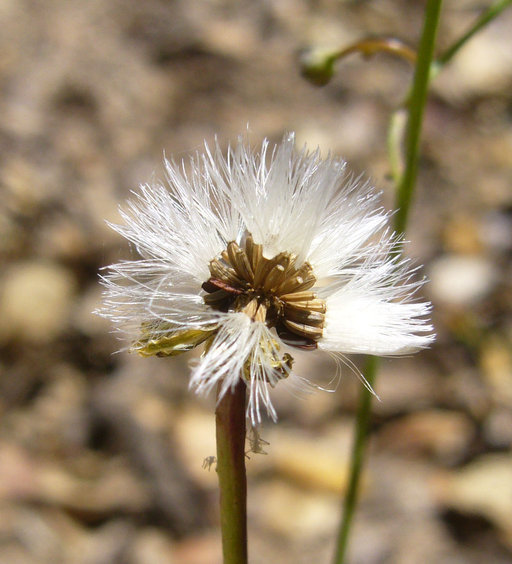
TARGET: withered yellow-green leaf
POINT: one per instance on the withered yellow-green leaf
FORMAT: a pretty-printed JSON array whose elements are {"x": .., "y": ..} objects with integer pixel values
[{"x": 171, "y": 344}]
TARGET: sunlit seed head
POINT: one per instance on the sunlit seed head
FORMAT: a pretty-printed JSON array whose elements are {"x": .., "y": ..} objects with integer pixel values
[{"x": 261, "y": 248}]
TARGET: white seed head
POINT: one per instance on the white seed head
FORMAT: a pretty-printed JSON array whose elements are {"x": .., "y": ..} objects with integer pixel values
[{"x": 257, "y": 252}]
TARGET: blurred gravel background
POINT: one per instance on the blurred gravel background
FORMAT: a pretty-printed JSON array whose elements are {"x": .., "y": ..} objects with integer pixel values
[{"x": 101, "y": 454}]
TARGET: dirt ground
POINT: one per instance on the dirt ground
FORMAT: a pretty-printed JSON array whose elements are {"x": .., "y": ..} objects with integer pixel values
[{"x": 101, "y": 454}]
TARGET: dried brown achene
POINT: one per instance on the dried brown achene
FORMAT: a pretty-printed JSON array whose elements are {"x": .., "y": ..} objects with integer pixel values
[{"x": 275, "y": 291}]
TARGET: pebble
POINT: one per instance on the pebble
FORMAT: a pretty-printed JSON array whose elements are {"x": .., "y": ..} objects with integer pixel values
[
  {"x": 441, "y": 433},
  {"x": 496, "y": 366},
  {"x": 35, "y": 301},
  {"x": 497, "y": 428},
  {"x": 151, "y": 546},
  {"x": 194, "y": 430},
  {"x": 484, "y": 488},
  {"x": 460, "y": 280},
  {"x": 294, "y": 512},
  {"x": 317, "y": 462}
]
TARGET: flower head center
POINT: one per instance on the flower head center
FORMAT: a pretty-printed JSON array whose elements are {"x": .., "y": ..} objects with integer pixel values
[{"x": 275, "y": 291}]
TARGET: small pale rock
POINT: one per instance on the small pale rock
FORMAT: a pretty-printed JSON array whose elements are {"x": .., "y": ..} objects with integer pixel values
[
  {"x": 294, "y": 512},
  {"x": 443, "y": 433},
  {"x": 462, "y": 235},
  {"x": 496, "y": 229},
  {"x": 83, "y": 316},
  {"x": 404, "y": 386},
  {"x": 152, "y": 413},
  {"x": 63, "y": 238},
  {"x": 109, "y": 543},
  {"x": 314, "y": 462},
  {"x": 17, "y": 476},
  {"x": 484, "y": 487},
  {"x": 498, "y": 428},
  {"x": 461, "y": 280},
  {"x": 496, "y": 364},
  {"x": 35, "y": 300},
  {"x": 113, "y": 488},
  {"x": 199, "y": 549},
  {"x": 25, "y": 186},
  {"x": 151, "y": 546},
  {"x": 194, "y": 430}
]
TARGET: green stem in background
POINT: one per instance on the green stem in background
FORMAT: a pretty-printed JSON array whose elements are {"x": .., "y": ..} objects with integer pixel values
[
  {"x": 317, "y": 65},
  {"x": 357, "y": 458},
  {"x": 230, "y": 425},
  {"x": 404, "y": 195},
  {"x": 395, "y": 131},
  {"x": 416, "y": 107},
  {"x": 488, "y": 15}
]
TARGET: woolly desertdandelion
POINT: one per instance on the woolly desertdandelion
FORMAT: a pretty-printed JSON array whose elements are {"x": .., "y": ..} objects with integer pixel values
[{"x": 258, "y": 256}]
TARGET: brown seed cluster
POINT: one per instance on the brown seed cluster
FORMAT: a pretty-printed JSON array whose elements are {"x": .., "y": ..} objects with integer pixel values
[{"x": 275, "y": 291}]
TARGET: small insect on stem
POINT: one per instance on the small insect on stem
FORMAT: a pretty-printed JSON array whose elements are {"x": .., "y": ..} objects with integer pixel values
[
  {"x": 208, "y": 462},
  {"x": 256, "y": 443}
]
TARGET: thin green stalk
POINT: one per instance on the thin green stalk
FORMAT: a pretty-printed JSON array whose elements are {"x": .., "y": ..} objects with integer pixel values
[
  {"x": 395, "y": 135},
  {"x": 416, "y": 108},
  {"x": 404, "y": 195},
  {"x": 357, "y": 458},
  {"x": 488, "y": 15},
  {"x": 230, "y": 427},
  {"x": 395, "y": 130}
]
